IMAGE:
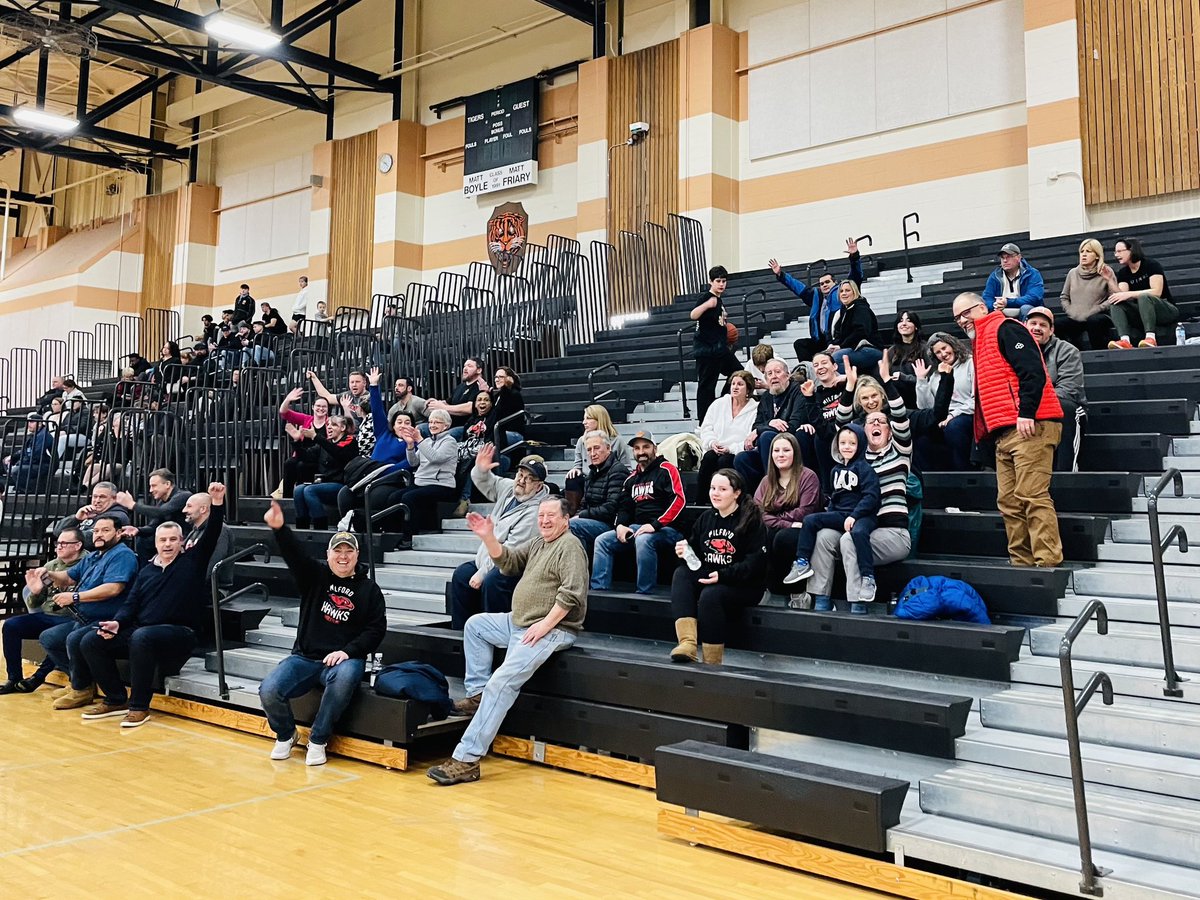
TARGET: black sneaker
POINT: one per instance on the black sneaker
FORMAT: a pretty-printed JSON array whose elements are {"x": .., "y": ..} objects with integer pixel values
[
  {"x": 9, "y": 687},
  {"x": 29, "y": 685}
]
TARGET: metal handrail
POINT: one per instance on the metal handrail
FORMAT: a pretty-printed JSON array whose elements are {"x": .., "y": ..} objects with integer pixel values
[
  {"x": 592, "y": 380},
  {"x": 812, "y": 265},
  {"x": 218, "y": 601},
  {"x": 683, "y": 369},
  {"x": 1072, "y": 708},
  {"x": 372, "y": 518},
  {"x": 509, "y": 417},
  {"x": 746, "y": 314},
  {"x": 1158, "y": 545},
  {"x": 870, "y": 243},
  {"x": 907, "y": 234}
]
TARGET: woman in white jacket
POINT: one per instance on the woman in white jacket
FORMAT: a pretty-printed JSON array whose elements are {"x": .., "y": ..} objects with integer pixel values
[
  {"x": 727, "y": 424},
  {"x": 953, "y": 451}
]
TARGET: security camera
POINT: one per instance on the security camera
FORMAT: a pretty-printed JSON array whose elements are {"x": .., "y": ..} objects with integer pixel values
[{"x": 637, "y": 131}]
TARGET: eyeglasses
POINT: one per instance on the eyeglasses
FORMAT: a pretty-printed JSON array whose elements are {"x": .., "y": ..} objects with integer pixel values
[
  {"x": 67, "y": 543},
  {"x": 962, "y": 316}
]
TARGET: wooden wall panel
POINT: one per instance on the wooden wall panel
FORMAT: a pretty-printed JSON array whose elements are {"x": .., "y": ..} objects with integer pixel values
[
  {"x": 352, "y": 221},
  {"x": 644, "y": 87},
  {"x": 158, "y": 254},
  {"x": 1139, "y": 98}
]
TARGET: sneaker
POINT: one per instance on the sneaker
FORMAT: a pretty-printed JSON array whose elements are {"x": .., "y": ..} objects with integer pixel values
[
  {"x": 798, "y": 572},
  {"x": 105, "y": 710},
  {"x": 1122, "y": 344},
  {"x": 9, "y": 687},
  {"x": 800, "y": 601},
  {"x": 468, "y": 705},
  {"x": 866, "y": 591},
  {"x": 29, "y": 685},
  {"x": 454, "y": 772},
  {"x": 134, "y": 718},
  {"x": 461, "y": 510},
  {"x": 74, "y": 699},
  {"x": 1148, "y": 341},
  {"x": 858, "y": 608},
  {"x": 345, "y": 521},
  {"x": 283, "y": 749},
  {"x": 315, "y": 755},
  {"x": 821, "y": 603}
]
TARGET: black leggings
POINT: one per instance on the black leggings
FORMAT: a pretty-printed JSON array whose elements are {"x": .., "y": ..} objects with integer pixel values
[
  {"x": 711, "y": 604},
  {"x": 709, "y": 463},
  {"x": 708, "y": 371}
]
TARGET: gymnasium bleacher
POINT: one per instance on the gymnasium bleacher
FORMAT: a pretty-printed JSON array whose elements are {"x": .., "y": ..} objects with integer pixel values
[{"x": 938, "y": 743}]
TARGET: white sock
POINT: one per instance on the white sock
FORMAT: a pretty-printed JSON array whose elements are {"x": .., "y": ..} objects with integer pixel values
[{"x": 1150, "y": 335}]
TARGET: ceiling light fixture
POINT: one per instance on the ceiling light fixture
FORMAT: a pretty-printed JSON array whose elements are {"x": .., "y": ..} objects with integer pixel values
[
  {"x": 240, "y": 32},
  {"x": 41, "y": 120}
]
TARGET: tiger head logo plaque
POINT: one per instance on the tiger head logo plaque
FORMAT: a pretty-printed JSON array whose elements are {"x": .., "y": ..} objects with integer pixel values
[{"x": 507, "y": 232}]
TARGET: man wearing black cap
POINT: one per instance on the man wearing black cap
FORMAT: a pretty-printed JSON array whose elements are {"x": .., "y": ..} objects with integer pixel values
[
  {"x": 29, "y": 469},
  {"x": 651, "y": 500},
  {"x": 1015, "y": 286},
  {"x": 479, "y": 585},
  {"x": 243, "y": 305},
  {"x": 342, "y": 619}
]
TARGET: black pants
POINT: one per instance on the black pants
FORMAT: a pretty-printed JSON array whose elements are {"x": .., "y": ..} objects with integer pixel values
[
  {"x": 296, "y": 470},
  {"x": 708, "y": 370},
  {"x": 806, "y": 347},
  {"x": 781, "y": 553},
  {"x": 422, "y": 502},
  {"x": 712, "y": 604},
  {"x": 1098, "y": 328},
  {"x": 709, "y": 463}
]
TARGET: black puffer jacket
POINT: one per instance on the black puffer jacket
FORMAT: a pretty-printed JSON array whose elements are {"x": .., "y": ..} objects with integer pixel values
[
  {"x": 854, "y": 324},
  {"x": 602, "y": 490}
]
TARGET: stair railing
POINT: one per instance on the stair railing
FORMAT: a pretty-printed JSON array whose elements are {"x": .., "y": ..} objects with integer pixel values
[
  {"x": 373, "y": 517},
  {"x": 907, "y": 234},
  {"x": 1158, "y": 545},
  {"x": 596, "y": 398},
  {"x": 218, "y": 601},
  {"x": 683, "y": 368},
  {"x": 1072, "y": 708},
  {"x": 870, "y": 243},
  {"x": 746, "y": 317},
  {"x": 759, "y": 314},
  {"x": 808, "y": 269}
]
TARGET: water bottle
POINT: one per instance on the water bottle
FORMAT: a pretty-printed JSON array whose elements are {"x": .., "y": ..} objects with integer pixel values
[
  {"x": 690, "y": 557},
  {"x": 1180, "y": 335}
]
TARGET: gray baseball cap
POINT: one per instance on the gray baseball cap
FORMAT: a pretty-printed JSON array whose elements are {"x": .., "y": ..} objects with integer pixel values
[{"x": 642, "y": 435}]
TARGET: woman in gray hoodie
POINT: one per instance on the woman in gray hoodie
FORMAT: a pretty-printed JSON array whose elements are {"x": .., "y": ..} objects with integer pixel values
[{"x": 1084, "y": 299}]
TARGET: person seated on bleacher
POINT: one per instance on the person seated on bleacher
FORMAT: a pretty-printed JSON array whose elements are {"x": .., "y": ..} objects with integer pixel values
[
  {"x": 950, "y": 446},
  {"x": 478, "y": 431},
  {"x": 1084, "y": 298},
  {"x": 818, "y": 410},
  {"x": 710, "y": 341},
  {"x": 1064, "y": 365},
  {"x": 725, "y": 428},
  {"x": 56, "y": 391},
  {"x": 728, "y": 542},
  {"x": 155, "y": 627},
  {"x": 822, "y": 300},
  {"x": 861, "y": 395},
  {"x": 461, "y": 402},
  {"x": 908, "y": 346},
  {"x": 1015, "y": 286},
  {"x": 303, "y": 457},
  {"x": 43, "y": 614},
  {"x": 1142, "y": 300},
  {"x": 406, "y": 401},
  {"x": 508, "y": 402},
  {"x": 1017, "y": 409},
  {"x": 343, "y": 618},
  {"x": 104, "y": 498},
  {"x": 99, "y": 581},
  {"x": 479, "y": 586},
  {"x": 595, "y": 418},
  {"x": 335, "y": 449},
  {"x": 272, "y": 320},
  {"x": 261, "y": 353},
  {"x": 355, "y": 403},
  {"x": 29, "y": 468},
  {"x": 165, "y": 505},
  {"x": 788, "y": 493},
  {"x": 651, "y": 499},
  {"x": 780, "y": 411},
  {"x": 548, "y": 608},
  {"x": 889, "y": 454},
  {"x": 759, "y": 356},
  {"x": 198, "y": 512},
  {"x": 602, "y": 488},
  {"x": 853, "y": 330},
  {"x": 434, "y": 458},
  {"x": 112, "y": 448}
]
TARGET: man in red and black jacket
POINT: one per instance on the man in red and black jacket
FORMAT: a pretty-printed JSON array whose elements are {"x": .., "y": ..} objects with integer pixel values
[
  {"x": 651, "y": 499},
  {"x": 1017, "y": 409}
]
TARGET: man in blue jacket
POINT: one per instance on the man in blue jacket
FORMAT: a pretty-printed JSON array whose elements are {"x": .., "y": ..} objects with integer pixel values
[
  {"x": 28, "y": 470},
  {"x": 1015, "y": 286},
  {"x": 822, "y": 299}
]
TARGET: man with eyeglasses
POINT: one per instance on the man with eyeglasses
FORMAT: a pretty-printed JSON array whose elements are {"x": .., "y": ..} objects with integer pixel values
[
  {"x": 43, "y": 614},
  {"x": 822, "y": 300},
  {"x": 1017, "y": 409},
  {"x": 104, "y": 498},
  {"x": 480, "y": 585}
]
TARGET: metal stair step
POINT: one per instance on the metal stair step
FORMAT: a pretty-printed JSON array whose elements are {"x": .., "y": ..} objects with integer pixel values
[
  {"x": 1136, "y": 530},
  {"x": 434, "y": 559},
  {"x": 1127, "y": 643},
  {"x": 1143, "y": 610},
  {"x": 1127, "y": 681},
  {"x": 1122, "y": 579},
  {"x": 1144, "y": 553},
  {"x": 248, "y": 662},
  {"x": 460, "y": 541}
]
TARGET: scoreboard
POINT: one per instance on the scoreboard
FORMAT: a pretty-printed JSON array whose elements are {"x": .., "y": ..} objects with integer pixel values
[{"x": 501, "y": 138}]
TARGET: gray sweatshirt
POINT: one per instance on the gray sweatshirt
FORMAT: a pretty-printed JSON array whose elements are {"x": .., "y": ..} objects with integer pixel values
[
  {"x": 435, "y": 458},
  {"x": 1083, "y": 294},
  {"x": 515, "y": 520}
]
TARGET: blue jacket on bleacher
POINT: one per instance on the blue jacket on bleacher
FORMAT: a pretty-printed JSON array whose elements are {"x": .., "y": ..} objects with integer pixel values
[{"x": 388, "y": 448}]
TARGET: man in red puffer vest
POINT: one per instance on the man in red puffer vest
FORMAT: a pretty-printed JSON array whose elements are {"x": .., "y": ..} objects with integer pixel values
[{"x": 1015, "y": 406}]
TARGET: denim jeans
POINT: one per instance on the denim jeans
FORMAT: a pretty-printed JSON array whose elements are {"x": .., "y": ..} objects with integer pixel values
[
  {"x": 866, "y": 360},
  {"x": 295, "y": 677},
  {"x": 483, "y": 632},
  {"x": 149, "y": 649},
  {"x": 493, "y": 596},
  {"x": 587, "y": 530},
  {"x": 61, "y": 643},
  {"x": 310, "y": 500},
  {"x": 646, "y": 546},
  {"x": 860, "y": 534},
  {"x": 25, "y": 628}
]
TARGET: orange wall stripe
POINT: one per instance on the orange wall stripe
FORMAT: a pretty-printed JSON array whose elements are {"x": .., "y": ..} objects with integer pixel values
[
  {"x": 1040, "y": 13},
  {"x": 400, "y": 254},
  {"x": 705, "y": 191},
  {"x": 1051, "y": 123},
  {"x": 708, "y": 58}
]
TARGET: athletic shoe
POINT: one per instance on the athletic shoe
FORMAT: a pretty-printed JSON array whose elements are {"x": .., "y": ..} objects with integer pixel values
[
  {"x": 74, "y": 699},
  {"x": 461, "y": 510},
  {"x": 799, "y": 571},
  {"x": 105, "y": 710},
  {"x": 134, "y": 718},
  {"x": 1122, "y": 344},
  {"x": 821, "y": 603},
  {"x": 315, "y": 755},
  {"x": 283, "y": 749},
  {"x": 454, "y": 772},
  {"x": 9, "y": 687},
  {"x": 800, "y": 601},
  {"x": 858, "y": 609},
  {"x": 1148, "y": 341},
  {"x": 866, "y": 591},
  {"x": 29, "y": 685},
  {"x": 468, "y": 706},
  {"x": 345, "y": 521}
]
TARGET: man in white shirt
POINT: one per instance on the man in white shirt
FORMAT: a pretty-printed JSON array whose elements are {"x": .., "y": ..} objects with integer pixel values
[{"x": 300, "y": 306}]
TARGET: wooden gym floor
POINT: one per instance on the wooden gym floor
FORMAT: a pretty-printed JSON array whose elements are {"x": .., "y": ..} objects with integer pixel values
[{"x": 182, "y": 809}]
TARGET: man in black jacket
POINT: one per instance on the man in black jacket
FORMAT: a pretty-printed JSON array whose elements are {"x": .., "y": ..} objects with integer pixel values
[
  {"x": 342, "y": 619},
  {"x": 779, "y": 412},
  {"x": 156, "y": 626},
  {"x": 166, "y": 505},
  {"x": 602, "y": 488}
]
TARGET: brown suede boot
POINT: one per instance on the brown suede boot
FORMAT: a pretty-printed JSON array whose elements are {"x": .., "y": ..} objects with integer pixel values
[
  {"x": 685, "y": 650},
  {"x": 714, "y": 654}
]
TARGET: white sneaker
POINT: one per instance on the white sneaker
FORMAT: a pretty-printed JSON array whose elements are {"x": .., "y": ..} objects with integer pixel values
[
  {"x": 315, "y": 755},
  {"x": 283, "y": 749},
  {"x": 800, "y": 601},
  {"x": 345, "y": 521}
]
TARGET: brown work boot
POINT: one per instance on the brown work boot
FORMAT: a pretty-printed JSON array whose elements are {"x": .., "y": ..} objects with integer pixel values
[
  {"x": 452, "y": 771},
  {"x": 714, "y": 654},
  {"x": 685, "y": 650},
  {"x": 468, "y": 706},
  {"x": 74, "y": 699},
  {"x": 60, "y": 692}
]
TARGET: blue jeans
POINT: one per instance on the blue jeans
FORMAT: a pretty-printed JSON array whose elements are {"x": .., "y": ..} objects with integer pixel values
[
  {"x": 295, "y": 677},
  {"x": 587, "y": 530},
  {"x": 483, "y": 632},
  {"x": 646, "y": 546},
  {"x": 25, "y": 628},
  {"x": 309, "y": 500},
  {"x": 752, "y": 464},
  {"x": 149, "y": 648},
  {"x": 865, "y": 360},
  {"x": 860, "y": 534},
  {"x": 493, "y": 596},
  {"x": 61, "y": 643}
]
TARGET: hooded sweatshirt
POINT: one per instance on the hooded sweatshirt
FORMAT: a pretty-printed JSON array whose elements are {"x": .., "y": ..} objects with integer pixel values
[
  {"x": 515, "y": 520},
  {"x": 651, "y": 496},
  {"x": 737, "y": 554},
  {"x": 855, "y": 484}
]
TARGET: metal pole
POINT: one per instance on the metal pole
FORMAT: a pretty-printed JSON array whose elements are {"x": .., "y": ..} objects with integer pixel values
[
  {"x": 1157, "y": 547},
  {"x": 4, "y": 247}
]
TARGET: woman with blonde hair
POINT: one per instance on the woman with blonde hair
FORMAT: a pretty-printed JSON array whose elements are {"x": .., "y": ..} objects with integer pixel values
[
  {"x": 853, "y": 331},
  {"x": 1084, "y": 299}
]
